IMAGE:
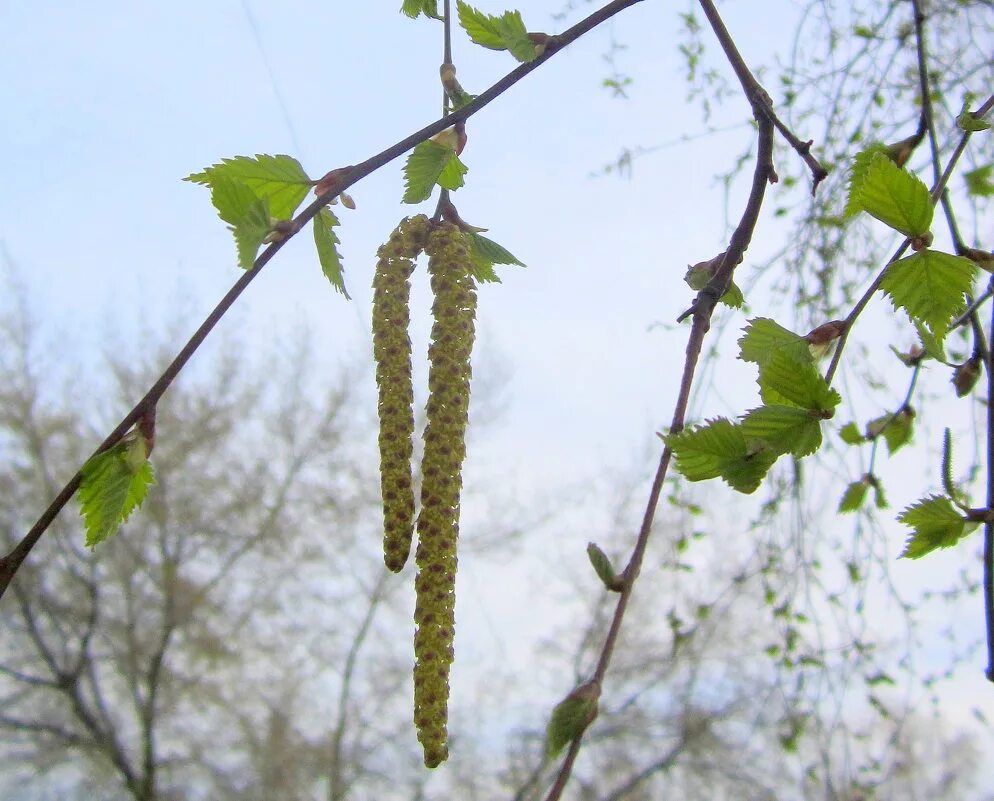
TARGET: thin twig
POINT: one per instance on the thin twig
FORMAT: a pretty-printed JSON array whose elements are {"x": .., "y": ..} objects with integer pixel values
[
  {"x": 346, "y": 178},
  {"x": 703, "y": 308},
  {"x": 989, "y": 525},
  {"x": 758, "y": 96}
]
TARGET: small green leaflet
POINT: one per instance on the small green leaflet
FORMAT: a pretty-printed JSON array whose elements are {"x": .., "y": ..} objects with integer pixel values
[
  {"x": 485, "y": 253},
  {"x": 929, "y": 286},
  {"x": 966, "y": 121},
  {"x": 113, "y": 484},
  {"x": 783, "y": 378},
  {"x": 571, "y": 717},
  {"x": 414, "y": 8},
  {"x": 506, "y": 32},
  {"x": 247, "y": 215},
  {"x": 279, "y": 179},
  {"x": 785, "y": 429},
  {"x": 764, "y": 338},
  {"x": 857, "y": 174},
  {"x": 327, "y": 245},
  {"x": 854, "y": 496},
  {"x": 936, "y": 524},
  {"x": 720, "y": 449},
  {"x": 431, "y": 163},
  {"x": 893, "y": 195},
  {"x": 850, "y": 434},
  {"x": 978, "y": 181}
]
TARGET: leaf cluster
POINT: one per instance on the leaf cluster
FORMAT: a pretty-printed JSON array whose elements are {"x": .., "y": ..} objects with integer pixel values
[
  {"x": 796, "y": 401},
  {"x": 257, "y": 197}
]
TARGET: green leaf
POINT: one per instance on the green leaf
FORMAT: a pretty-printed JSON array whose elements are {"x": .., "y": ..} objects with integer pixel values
[
  {"x": 414, "y": 8},
  {"x": 485, "y": 253},
  {"x": 897, "y": 433},
  {"x": 113, "y": 484},
  {"x": 571, "y": 717},
  {"x": 936, "y": 524},
  {"x": 893, "y": 195},
  {"x": 785, "y": 428},
  {"x": 854, "y": 496},
  {"x": 764, "y": 338},
  {"x": 506, "y": 32},
  {"x": 797, "y": 382},
  {"x": 851, "y": 435},
  {"x": 733, "y": 297},
  {"x": 966, "y": 121},
  {"x": 857, "y": 174},
  {"x": 424, "y": 169},
  {"x": 514, "y": 35},
  {"x": 482, "y": 28},
  {"x": 604, "y": 569},
  {"x": 327, "y": 243},
  {"x": 929, "y": 286},
  {"x": 451, "y": 176},
  {"x": 279, "y": 179},
  {"x": 720, "y": 449},
  {"x": 879, "y": 499},
  {"x": 978, "y": 181},
  {"x": 931, "y": 344},
  {"x": 252, "y": 226}
]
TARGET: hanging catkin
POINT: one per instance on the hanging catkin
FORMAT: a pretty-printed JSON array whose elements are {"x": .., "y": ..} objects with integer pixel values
[
  {"x": 452, "y": 337},
  {"x": 392, "y": 352}
]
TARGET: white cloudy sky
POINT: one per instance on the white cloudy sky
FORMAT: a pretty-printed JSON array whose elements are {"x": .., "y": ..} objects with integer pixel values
[{"x": 107, "y": 106}]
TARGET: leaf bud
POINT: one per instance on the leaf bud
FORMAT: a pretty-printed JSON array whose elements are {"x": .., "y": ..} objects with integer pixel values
[
  {"x": 965, "y": 376},
  {"x": 820, "y": 339},
  {"x": 571, "y": 717},
  {"x": 602, "y": 566},
  {"x": 982, "y": 258}
]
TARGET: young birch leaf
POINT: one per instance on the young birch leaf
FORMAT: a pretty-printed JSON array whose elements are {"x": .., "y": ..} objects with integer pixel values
[
  {"x": 251, "y": 229},
  {"x": 797, "y": 382},
  {"x": 857, "y": 174},
  {"x": 763, "y": 338},
  {"x": 114, "y": 483},
  {"x": 720, "y": 449},
  {"x": 966, "y": 121},
  {"x": 978, "y": 181},
  {"x": 733, "y": 297},
  {"x": 785, "y": 428},
  {"x": 571, "y": 717},
  {"x": 850, "y": 434},
  {"x": 936, "y": 524},
  {"x": 490, "y": 251},
  {"x": 895, "y": 196},
  {"x": 279, "y": 179},
  {"x": 423, "y": 168},
  {"x": 451, "y": 176},
  {"x": 327, "y": 243},
  {"x": 929, "y": 286},
  {"x": 514, "y": 36},
  {"x": 879, "y": 499},
  {"x": 482, "y": 28},
  {"x": 414, "y": 8},
  {"x": 897, "y": 433},
  {"x": 854, "y": 496}
]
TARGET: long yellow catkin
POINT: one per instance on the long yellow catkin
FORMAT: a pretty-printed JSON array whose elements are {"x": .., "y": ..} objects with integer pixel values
[
  {"x": 452, "y": 337},
  {"x": 392, "y": 352}
]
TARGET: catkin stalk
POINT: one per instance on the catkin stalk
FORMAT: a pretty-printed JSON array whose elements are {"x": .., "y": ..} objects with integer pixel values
[
  {"x": 392, "y": 352},
  {"x": 452, "y": 336}
]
